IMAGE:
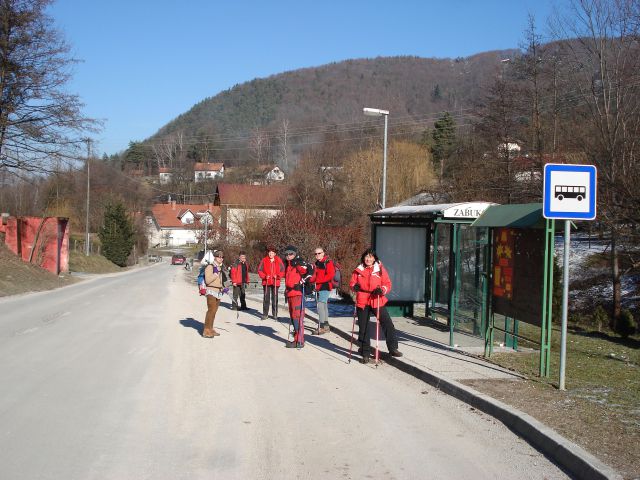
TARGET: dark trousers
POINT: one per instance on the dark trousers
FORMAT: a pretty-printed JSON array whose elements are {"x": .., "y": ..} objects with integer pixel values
[
  {"x": 365, "y": 329},
  {"x": 270, "y": 296},
  {"x": 238, "y": 291}
]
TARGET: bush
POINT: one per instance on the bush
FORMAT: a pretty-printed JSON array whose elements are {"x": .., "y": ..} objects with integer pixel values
[
  {"x": 600, "y": 318},
  {"x": 626, "y": 324}
]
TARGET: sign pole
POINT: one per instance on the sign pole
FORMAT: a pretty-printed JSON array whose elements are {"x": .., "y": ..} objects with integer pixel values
[{"x": 565, "y": 301}]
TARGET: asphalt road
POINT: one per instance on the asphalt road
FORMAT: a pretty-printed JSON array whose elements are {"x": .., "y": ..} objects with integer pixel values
[{"x": 110, "y": 379}]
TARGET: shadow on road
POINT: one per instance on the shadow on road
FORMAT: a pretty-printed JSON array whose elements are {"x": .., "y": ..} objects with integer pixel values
[
  {"x": 192, "y": 323},
  {"x": 263, "y": 330}
]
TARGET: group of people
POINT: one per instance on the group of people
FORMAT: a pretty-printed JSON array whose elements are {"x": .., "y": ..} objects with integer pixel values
[{"x": 369, "y": 281}]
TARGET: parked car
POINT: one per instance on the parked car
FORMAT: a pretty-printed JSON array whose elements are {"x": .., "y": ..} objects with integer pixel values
[
  {"x": 154, "y": 258},
  {"x": 178, "y": 260}
]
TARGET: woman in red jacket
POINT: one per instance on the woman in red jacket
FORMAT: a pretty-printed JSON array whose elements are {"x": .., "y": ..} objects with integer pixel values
[
  {"x": 296, "y": 272},
  {"x": 271, "y": 270},
  {"x": 323, "y": 274},
  {"x": 370, "y": 281}
]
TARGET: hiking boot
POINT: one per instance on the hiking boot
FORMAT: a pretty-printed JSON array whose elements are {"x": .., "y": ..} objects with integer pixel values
[
  {"x": 395, "y": 353},
  {"x": 365, "y": 359},
  {"x": 294, "y": 344},
  {"x": 322, "y": 330},
  {"x": 264, "y": 317}
]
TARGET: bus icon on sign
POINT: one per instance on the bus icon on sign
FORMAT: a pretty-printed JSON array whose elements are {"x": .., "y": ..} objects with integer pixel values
[{"x": 570, "y": 191}]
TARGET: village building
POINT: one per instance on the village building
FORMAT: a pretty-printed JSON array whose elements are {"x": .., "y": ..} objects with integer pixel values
[
  {"x": 171, "y": 224},
  {"x": 242, "y": 205},
  {"x": 165, "y": 174},
  {"x": 208, "y": 171}
]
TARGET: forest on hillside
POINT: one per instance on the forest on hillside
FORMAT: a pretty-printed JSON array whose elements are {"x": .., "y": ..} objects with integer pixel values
[{"x": 476, "y": 128}]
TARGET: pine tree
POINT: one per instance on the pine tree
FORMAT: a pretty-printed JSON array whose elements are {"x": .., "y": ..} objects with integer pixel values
[
  {"x": 444, "y": 140},
  {"x": 116, "y": 234}
]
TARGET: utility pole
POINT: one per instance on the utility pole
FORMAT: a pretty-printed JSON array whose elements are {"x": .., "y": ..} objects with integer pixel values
[{"x": 86, "y": 245}]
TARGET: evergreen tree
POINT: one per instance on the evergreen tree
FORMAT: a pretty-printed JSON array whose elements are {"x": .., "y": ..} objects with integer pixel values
[
  {"x": 444, "y": 140},
  {"x": 116, "y": 234}
]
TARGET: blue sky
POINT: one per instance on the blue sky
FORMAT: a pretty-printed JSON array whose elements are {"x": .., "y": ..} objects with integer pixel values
[{"x": 145, "y": 62}]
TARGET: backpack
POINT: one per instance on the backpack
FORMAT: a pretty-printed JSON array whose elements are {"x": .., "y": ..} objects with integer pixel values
[
  {"x": 337, "y": 276},
  {"x": 309, "y": 286},
  {"x": 202, "y": 286}
]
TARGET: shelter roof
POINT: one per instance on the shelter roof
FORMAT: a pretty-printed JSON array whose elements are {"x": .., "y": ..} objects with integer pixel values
[
  {"x": 252, "y": 195},
  {"x": 463, "y": 210},
  {"x": 522, "y": 215}
]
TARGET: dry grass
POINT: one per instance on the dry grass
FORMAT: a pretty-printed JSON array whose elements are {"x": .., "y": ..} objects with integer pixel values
[{"x": 600, "y": 409}]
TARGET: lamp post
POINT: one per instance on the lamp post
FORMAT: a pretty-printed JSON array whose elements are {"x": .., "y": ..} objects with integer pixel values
[{"x": 376, "y": 112}]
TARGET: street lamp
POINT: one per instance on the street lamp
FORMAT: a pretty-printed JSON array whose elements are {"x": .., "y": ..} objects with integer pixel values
[{"x": 376, "y": 112}]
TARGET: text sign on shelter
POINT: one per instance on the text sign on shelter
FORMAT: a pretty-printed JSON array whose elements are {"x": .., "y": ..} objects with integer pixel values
[{"x": 569, "y": 192}]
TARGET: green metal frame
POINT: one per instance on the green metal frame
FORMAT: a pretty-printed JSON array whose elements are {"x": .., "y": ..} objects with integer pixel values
[{"x": 547, "y": 299}]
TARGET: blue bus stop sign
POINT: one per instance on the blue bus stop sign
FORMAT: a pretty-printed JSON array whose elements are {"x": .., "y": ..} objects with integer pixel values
[{"x": 569, "y": 192}]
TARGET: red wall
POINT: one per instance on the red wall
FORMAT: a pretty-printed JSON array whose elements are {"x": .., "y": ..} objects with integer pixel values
[{"x": 51, "y": 238}]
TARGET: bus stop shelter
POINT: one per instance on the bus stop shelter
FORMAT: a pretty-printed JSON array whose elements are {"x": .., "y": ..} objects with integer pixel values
[{"x": 434, "y": 257}]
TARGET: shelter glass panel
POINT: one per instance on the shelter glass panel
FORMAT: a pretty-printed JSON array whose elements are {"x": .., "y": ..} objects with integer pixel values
[
  {"x": 443, "y": 266},
  {"x": 473, "y": 251},
  {"x": 403, "y": 251}
]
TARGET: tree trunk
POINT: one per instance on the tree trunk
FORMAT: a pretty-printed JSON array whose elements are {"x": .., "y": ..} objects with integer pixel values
[{"x": 616, "y": 279}]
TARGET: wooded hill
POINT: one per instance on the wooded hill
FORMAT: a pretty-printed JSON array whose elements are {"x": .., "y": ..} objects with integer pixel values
[{"x": 332, "y": 94}]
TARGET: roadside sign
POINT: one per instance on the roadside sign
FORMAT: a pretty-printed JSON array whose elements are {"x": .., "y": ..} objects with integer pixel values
[{"x": 569, "y": 192}]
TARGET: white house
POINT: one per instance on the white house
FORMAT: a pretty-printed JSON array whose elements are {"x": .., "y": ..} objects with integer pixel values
[
  {"x": 171, "y": 224},
  {"x": 165, "y": 175},
  {"x": 274, "y": 175},
  {"x": 208, "y": 171}
]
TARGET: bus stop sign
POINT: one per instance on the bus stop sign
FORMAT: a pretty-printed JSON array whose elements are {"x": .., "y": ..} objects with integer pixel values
[{"x": 569, "y": 192}]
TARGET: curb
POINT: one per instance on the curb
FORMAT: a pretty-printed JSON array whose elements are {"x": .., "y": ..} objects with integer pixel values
[{"x": 571, "y": 458}]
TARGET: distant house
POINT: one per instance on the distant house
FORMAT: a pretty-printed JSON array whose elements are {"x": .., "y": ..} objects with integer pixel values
[
  {"x": 529, "y": 168},
  {"x": 171, "y": 224},
  {"x": 242, "y": 204},
  {"x": 274, "y": 175},
  {"x": 208, "y": 171},
  {"x": 165, "y": 175}
]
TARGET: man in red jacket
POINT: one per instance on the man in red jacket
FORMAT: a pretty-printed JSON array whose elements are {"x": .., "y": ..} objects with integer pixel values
[
  {"x": 271, "y": 270},
  {"x": 239, "y": 273},
  {"x": 370, "y": 281},
  {"x": 296, "y": 272},
  {"x": 323, "y": 274}
]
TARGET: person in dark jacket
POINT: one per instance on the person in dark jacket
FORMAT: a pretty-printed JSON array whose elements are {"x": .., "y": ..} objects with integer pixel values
[
  {"x": 239, "y": 273},
  {"x": 371, "y": 283},
  {"x": 323, "y": 274},
  {"x": 296, "y": 272},
  {"x": 271, "y": 271}
]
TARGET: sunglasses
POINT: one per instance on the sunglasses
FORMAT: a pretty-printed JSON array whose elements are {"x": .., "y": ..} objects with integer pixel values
[{"x": 319, "y": 253}]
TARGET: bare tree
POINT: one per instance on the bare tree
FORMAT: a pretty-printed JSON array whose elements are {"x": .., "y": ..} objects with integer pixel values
[
  {"x": 603, "y": 63},
  {"x": 38, "y": 118}
]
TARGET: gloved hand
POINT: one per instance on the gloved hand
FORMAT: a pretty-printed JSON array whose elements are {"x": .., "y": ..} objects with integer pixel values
[
  {"x": 225, "y": 290},
  {"x": 377, "y": 291},
  {"x": 356, "y": 287}
]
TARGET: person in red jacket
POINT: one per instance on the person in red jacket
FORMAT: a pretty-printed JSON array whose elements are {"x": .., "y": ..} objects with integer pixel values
[
  {"x": 370, "y": 281},
  {"x": 323, "y": 274},
  {"x": 239, "y": 273},
  {"x": 271, "y": 270},
  {"x": 296, "y": 272}
]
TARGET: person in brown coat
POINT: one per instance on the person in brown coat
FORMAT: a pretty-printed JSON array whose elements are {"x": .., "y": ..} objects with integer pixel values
[{"x": 214, "y": 280}]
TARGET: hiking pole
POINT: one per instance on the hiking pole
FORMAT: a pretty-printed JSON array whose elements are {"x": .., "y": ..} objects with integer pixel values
[
  {"x": 353, "y": 329},
  {"x": 378, "y": 332},
  {"x": 301, "y": 322},
  {"x": 275, "y": 290}
]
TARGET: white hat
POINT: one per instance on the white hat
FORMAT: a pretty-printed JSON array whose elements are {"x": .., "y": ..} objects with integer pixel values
[{"x": 208, "y": 257}]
